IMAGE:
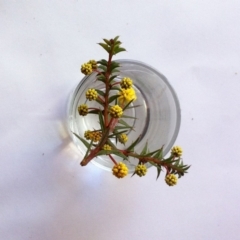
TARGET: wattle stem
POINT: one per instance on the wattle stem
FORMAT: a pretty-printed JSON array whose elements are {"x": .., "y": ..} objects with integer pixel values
[{"x": 107, "y": 75}]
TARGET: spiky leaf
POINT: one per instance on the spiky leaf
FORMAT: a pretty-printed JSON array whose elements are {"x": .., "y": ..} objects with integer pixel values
[
  {"x": 95, "y": 111},
  {"x": 112, "y": 98},
  {"x": 101, "y": 121},
  {"x": 103, "y": 62},
  {"x": 125, "y": 116},
  {"x": 118, "y": 50},
  {"x": 112, "y": 77},
  {"x": 100, "y": 92},
  {"x": 107, "y": 41},
  {"x": 145, "y": 149},
  {"x": 131, "y": 147},
  {"x": 82, "y": 140},
  {"x": 105, "y": 46},
  {"x": 127, "y": 105}
]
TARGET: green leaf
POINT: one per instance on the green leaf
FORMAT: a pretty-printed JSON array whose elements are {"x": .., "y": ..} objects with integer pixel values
[
  {"x": 145, "y": 149},
  {"x": 104, "y": 152},
  {"x": 118, "y": 153},
  {"x": 99, "y": 101},
  {"x": 122, "y": 127},
  {"x": 82, "y": 140},
  {"x": 112, "y": 77},
  {"x": 101, "y": 121},
  {"x": 115, "y": 70},
  {"x": 135, "y": 106},
  {"x": 168, "y": 160},
  {"x": 112, "y": 98},
  {"x": 158, "y": 171},
  {"x": 176, "y": 163},
  {"x": 115, "y": 152},
  {"x": 117, "y": 133},
  {"x": 116, "y": 47},
  {"x": 100, "y": 92},
  {"x": 118, "y": 50},
  {"x": 105, "y": 46},
  {"x": 88, "y": 150},
  {"x": 116, "y": 38},
  {"x": 104, "y": 68},
  {"x": 127, "y": 105},
  {"x": 101, "y": 77},
  {"x": 111, "y": 144},
  {"x": 125, "y": 116},
  {"x": 95, "y": 111},
  {"x": 114, "y": 65},
  {"x": 151, "y": 153},
  {"x": 133, "y": 144},
  {"x": 107, "y": 42},
  {"x": 158, "y": 155},
  {"x": 115, "y": 88},
  {"x": 133, "y": 174},
  {"x": 121, "y": 121},
  {"x": 103, "y": 62}
]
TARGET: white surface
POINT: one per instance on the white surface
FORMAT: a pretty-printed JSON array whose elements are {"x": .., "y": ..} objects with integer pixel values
[{"x": 45, "y": 194}]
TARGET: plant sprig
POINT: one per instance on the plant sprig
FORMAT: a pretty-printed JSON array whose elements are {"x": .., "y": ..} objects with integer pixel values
[{"x": 112, "y": 125}]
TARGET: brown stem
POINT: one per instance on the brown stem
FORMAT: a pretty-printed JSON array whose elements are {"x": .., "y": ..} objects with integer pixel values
[
  {"x": 116, "y": 83},
  {"x": 112, "y": 124},
  {"x": 100, "y": 99},
  {"x": 112, "y": 159},
  {"x": 107, "y": 75},
  {"x": 141, "y": 158},
  {"x": 94, "y": 152}
]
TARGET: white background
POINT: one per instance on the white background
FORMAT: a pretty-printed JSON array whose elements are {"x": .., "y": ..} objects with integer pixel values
[{"x": 44, "y": 193}]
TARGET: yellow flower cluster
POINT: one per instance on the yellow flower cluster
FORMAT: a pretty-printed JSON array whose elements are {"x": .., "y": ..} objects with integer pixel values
[
  {"x": 83, "y": 110},
  {"x": 177, "y": 151},
  {"x": 126, "y": 95},
  {"x": 171, "y": 179},
  {"x": 91, "y": 94},
  {"x": 141, "y": 170},
  {"x": 93, "y": 64},
  {"x": 126, "y": 83},
  {"x": 86, "y": 68},
  {"x": 95, "y": 136},
  {"x": 120, "y": 170},
  {"x": 123, "y": 138},
  {"x": 107, "y": 147},
  {"x": 116, "y": 111}
]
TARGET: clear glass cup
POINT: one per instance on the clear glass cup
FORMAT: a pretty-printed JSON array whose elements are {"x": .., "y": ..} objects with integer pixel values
[{"x": 157, "y": 118}]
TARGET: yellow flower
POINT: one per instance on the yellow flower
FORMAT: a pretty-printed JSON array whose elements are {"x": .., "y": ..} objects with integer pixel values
[
  {"x": 177, "y": 151},
  {"x": 123, "y": 138},
  {"x": 91, "y": 94},
  {"x": 107, "y": 147},
  {"x": 95, "y": 136},
  {"x": 141, "y": 170},
  {"x": 120, "y": 170},
  {"x": 171, "y": 179},
  {"x": 83, "y": 110},
  {"x": 126, "y": 95},
  {"x": 93, "y": 64},
  {"x": 116, "y": 111},
  {"x": 86, "y": 68},
  {"x": 126, "y": 83}
]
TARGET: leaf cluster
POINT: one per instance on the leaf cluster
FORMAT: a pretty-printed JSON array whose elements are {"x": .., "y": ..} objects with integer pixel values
[{"x": 112, "y": 46}]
